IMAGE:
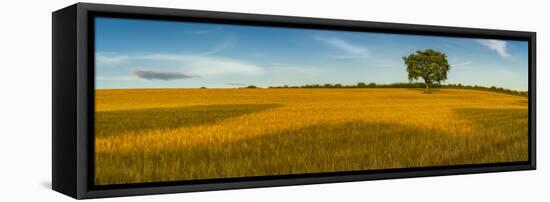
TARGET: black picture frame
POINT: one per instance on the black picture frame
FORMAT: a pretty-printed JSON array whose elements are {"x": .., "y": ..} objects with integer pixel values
[{"x": 73, "y": 100}]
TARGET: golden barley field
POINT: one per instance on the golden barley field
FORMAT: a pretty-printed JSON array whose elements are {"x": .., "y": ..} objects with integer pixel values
[{"x": 153, "y": 135}]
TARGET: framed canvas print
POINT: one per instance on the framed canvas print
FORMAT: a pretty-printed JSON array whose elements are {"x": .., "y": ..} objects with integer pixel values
[{"x": 155, "y": 100}]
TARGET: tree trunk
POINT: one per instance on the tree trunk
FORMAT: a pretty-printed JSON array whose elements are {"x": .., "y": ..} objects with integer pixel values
[{"x": 427, "y": 88}]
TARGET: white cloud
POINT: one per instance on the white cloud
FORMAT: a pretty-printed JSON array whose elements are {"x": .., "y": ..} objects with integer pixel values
[
  {"x": 461, "y": 64},
  {"x": 351, "y": 51},
  {"x": 205, "y": 31},
  {"x": 218, "y": 48},
  {"x": 214, "y": 66},
  {"x": 109, "y": 59},
  {"x": 197, "y": 65},
  {"x": 496, "y": 45}
]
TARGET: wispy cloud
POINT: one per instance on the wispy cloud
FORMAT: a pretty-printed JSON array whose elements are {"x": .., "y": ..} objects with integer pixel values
[
  {"x": 496, "y": 45},
  {"x": 156, "y": 75},
  {"x": 218, "y": 48},
  {"x": 109, "y": 59},
  {"x": 191, "y": 65},
  {"x": 208, "y": 65},
  {"x": 351, "y": 51},
  {"x": 206, "y": 31},
  {"x": 461, "y": 64}
]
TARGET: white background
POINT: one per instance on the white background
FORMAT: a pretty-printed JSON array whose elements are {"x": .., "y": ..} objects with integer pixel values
[{"x": 25, "y": 99}]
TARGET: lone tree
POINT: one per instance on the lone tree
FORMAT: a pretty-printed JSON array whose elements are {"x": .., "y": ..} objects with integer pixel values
[{"x": 430, "y": 65}]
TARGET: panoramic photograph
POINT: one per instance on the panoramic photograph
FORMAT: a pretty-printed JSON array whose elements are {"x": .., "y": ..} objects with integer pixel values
[{"x": 181, "y": 101}]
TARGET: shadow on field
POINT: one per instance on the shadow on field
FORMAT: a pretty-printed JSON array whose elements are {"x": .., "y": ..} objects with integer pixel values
[
  {"x": 367, "y": 145},
  {"x": 499, "y": 136},
  {"x": 113, "y": 122}
]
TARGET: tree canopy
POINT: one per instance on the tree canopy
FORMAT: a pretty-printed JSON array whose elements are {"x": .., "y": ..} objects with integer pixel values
[{"x": 430, "y": 65}]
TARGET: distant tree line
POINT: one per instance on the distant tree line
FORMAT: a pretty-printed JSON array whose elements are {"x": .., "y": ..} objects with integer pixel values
[{"x": 409, "y": 85}]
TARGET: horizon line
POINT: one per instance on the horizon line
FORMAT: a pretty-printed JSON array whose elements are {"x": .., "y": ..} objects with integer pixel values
[{"x": 302, "y": 86}]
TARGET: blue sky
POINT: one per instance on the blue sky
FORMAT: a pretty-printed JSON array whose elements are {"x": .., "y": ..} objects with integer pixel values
[{"x": 161, "y": 54}]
